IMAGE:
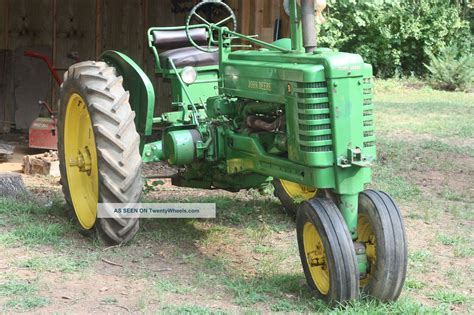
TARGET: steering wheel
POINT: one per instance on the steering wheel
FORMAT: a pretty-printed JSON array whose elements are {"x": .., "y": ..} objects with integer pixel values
[{"x": 210, "y": 26}]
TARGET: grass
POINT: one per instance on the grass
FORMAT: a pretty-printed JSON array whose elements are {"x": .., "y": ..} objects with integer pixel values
[
  {"x": 454, "y": 277},
  {"x": 449, "y": 297},
  {"x": 188, "y": 310},
  {"x": 55, "y": 263},
  {"x": 420, "y": 256},
  {"x": 34, "y": 224},
  {"x": 27, "y": 303},
  {"x": 414, "y": 284},
  {"x": 424, "y": 111},
  {"x": 22, "y": 295},
  {"x": 449, "y": 240},
  {"x": 109, "y": 300},
  {"x": 15, "y": 287},
  {"x": 40, "y": 234},
  {"x": 171, "y": 286}
]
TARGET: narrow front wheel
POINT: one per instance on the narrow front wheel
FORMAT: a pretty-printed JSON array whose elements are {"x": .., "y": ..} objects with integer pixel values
[
  {"x": 326, "y": 251},
  {"x": 380, "y": 228}
]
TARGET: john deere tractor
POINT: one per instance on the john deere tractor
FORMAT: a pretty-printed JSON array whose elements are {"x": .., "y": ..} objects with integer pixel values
[{"x": 286, "y": 113}]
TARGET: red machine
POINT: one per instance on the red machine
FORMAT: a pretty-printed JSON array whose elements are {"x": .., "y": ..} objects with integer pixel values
[
  {"x": 43, "y": 130},
  {"x": 43, "y": 133}
]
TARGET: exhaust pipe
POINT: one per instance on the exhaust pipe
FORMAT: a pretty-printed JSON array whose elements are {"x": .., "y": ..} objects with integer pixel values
[{"x": 308, "y": 20}]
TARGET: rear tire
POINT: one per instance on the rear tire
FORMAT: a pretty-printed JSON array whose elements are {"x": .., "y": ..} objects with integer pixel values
[
  {"x": 117, "y": 145},
  {"x": 291, "y": 195},
  {"x": 326, "y": 251}
]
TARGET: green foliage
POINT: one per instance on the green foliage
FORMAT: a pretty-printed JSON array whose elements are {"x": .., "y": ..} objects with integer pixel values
[
  {"x": 393, "y": 35},
  {"x": 449, "y": 71}
]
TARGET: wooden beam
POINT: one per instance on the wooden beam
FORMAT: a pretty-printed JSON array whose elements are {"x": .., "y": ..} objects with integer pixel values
[
  {"x": 244, "y": 17},
  {"x": 29, "y": 23},
  {"x": 4, "y": 15},
  {"x": 98, "y": 28}
]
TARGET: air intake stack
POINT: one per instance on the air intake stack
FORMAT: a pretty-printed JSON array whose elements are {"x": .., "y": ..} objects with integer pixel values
[{"x": 308, "y": 20}]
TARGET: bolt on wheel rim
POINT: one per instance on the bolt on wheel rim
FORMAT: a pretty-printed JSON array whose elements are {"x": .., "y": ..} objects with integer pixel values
[
  {"x": 316, "y": 258},
  {"x": 81, "y": 161}
]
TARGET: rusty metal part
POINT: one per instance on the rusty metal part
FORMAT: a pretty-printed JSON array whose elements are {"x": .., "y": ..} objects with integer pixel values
[{"x": 255, "y": 122}]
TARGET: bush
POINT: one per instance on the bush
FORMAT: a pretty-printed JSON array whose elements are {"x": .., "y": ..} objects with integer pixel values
[
  {"x": 450, "y": 71},
  {"x": 393, "y": 35}
]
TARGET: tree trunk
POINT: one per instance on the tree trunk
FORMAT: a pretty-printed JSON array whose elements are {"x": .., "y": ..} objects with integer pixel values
[{"x": 11, "y": 185}]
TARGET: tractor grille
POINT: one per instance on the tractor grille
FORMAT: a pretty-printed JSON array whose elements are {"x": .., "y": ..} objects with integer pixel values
[
  {"x": 368, "y": 112},
  {"x": 314, "y": 119}
]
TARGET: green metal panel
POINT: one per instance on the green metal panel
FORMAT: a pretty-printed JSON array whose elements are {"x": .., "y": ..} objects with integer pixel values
[
  {"x": 206, "y": 86},
  {"x": 142, "y": 93}
]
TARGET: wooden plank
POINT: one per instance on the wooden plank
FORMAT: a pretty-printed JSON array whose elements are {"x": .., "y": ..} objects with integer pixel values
[
  {"x": 98, "y": 27},
  {"x": 268, "y": 10},
  {"x": 244, "y": 17},
  {"x": 7, "y": 107},
  {"x": 73, "y": 34},
  {"x": 122, "y": 27},
  {"x": 271, "y": 12},
  {"x": 30, "y": 23},
  {"x": 3, "y": 24},
  {"x": 30, "y": 26},
  {"x": 159, "y": 13},
  {"x": 285, "y": 23}
]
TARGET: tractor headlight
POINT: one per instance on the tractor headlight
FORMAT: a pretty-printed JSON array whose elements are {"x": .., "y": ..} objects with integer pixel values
[{"x": 189, "y": 75}]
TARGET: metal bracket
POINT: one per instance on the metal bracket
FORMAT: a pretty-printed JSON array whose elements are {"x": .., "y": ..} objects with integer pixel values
[{"x": 356, "y": 158}]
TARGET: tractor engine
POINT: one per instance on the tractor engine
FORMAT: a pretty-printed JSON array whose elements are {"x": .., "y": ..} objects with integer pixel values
[{"x": 317, "y": 113}]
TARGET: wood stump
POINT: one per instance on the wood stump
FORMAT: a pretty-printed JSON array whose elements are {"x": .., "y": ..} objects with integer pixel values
[
  {"x": 42, "y": 164},
  {"x": 11, "y": 185}
]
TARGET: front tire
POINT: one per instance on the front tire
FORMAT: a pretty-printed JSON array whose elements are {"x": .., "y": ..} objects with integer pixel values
[
  {"x": 326, "y": 251},
  {"x": 98, "y": 149},
  {"x": 381, "y": 230}
]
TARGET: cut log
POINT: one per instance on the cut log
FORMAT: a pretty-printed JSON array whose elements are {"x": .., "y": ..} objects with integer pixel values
[
  {"x": 42, "y": 164},
  {"x": 11, "y": 185}
]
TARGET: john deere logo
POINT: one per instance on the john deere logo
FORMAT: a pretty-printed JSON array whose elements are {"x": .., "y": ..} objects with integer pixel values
[{"x": 260, "y": 85}]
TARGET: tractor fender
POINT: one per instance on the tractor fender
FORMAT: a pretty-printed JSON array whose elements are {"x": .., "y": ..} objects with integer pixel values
[{"x": 138, "y": 84}]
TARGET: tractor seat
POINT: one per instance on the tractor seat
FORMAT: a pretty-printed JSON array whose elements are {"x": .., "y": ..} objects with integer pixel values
[
  {"x": 188, "y": 56},
  {"x": 172, "y": 41}
]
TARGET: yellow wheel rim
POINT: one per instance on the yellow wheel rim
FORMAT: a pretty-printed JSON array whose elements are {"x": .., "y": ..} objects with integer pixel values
[
  {"x": 366, "y": 236},
  {"x": 298, "y": 192},
  {"x": 81, "y": 161},
  {"x": 316, "y": 258}
]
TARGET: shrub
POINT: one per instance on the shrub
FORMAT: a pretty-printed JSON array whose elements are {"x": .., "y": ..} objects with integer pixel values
[
  {"x": 393, "y": 35},
  {"x": 450, "y": 71}
]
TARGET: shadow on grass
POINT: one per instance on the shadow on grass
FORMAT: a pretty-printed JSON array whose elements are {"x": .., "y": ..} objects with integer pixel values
[{"x": 234, "y": 212}]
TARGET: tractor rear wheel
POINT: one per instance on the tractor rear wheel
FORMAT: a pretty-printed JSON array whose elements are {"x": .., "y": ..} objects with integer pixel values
[
  {"x": 380, "y": 228},
  {"x": 326, "y": 250},
  {"x": 291, "y": 195},
  {"x": 98, "y": 149}
]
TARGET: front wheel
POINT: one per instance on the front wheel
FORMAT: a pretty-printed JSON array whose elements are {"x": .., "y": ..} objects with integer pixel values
[
  {"x": 380, "y": 228},
  {"x": 326, "y": 250},
  {"x": 98, "y": 149}
]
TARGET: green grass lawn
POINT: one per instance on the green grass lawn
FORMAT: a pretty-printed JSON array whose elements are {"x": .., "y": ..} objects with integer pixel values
[{"x": 246, "y": 260}]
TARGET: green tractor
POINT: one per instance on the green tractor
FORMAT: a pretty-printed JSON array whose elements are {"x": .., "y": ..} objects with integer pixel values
[{"x": 288, "y": 114}]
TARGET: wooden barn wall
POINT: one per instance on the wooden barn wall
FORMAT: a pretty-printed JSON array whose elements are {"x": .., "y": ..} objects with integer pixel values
[{"x": 92, "y": 26}]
